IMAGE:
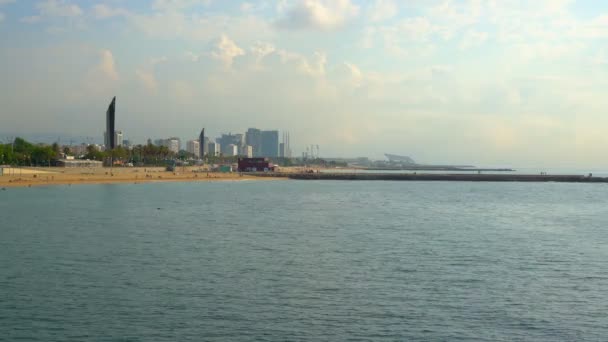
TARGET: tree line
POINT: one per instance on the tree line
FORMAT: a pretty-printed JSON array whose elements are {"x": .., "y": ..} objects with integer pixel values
[{"x": 22, "y": 152}]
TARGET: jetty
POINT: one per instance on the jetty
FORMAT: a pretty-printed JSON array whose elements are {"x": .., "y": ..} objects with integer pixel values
[{"x": 438, "y": 177}]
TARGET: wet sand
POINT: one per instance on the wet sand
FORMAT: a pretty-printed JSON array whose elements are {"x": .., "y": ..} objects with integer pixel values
[{"x": 28, "y": 177}]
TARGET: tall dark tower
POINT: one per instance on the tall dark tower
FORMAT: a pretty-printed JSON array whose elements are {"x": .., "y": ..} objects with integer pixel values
[
  {"x": 201, "y": 144},
  {"x": 110, "y": 127}
]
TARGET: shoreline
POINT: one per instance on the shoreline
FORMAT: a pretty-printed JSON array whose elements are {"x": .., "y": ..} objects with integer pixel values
[{"x": 35, "y": 177}]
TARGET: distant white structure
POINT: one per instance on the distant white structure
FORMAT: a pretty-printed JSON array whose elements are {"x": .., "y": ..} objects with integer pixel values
[
  {"x": 173, "y": 144},
  {"x": 232, "y": 150},
  {"x": 213, "y": 149},
  {"x": 193, "y": 146},
  {"x": 118, "y": 135},
  {"x": 285, "y": 146},
  {"x": 247, "y": 151}
]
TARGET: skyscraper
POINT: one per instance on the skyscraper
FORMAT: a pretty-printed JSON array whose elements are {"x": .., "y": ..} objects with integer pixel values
[
  {"x": 202, "y": 145},
  {"x": 284, "y": 147},
  {"x": 118, "y": 135},
  {"x": 192, "y": 146},
  {"x": 253, "y": 138},
  {"x": 227, "y": 139},
  {"x": 174, "y": 144},
  {"x": 213, "y": 149},
  {"x": 110, "y": 125},
  {"x": 270, "y": 143}
]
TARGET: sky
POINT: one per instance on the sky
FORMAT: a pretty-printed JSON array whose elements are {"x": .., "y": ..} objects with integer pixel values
[{"x": 485, "y": 82}]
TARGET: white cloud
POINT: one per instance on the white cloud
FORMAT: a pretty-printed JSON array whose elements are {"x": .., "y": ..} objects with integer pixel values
[
  {"x": 5, "y": 2},
  {"x": 246, "y": 6},
  {"x": 473, "y": 39},
  {"x": 102, "y": 11},
  {"x": 319, "y": 14},
  {"x": 261, "y": 50},
  {"x": 176, "y": 25},
  {"x": 356, "y": 76},
  {"x": 107, "y": 66},
  {"x": 174, "y": 5},
  {"x": 31, "y": 19},
  {"x": 226, "y": 51},
  {"x": 58, "y": 8},
  {"x": 147, "y": 79},
  {"x": 146, "y": 74},
  {"x": 382, "y": 10},
  {"x": 315, "y": 67}
]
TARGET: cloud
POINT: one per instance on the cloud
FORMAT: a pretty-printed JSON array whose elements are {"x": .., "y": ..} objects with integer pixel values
[
  {"x": 226, "y": 51},
  {"x": 246, "y": 7},
  {"x": 146, "y": 74},
  {"x": 196, "y": 28},
  {"x": 5, "y": 2},
  {"x": 1, "y": 17},
  {"x": 261, "y": 50},
  {"x": 318, "y": 15},
  {"x": 175, "y": 5},
  {"x": 382, "y": 10},
  {"x": 31, "y": 19},
  {"x": 103, "y": 11},
  {"x": 107, "y": 66},
  {"x": 58, "y": 8},
  {"x": 473, "y": 39}
]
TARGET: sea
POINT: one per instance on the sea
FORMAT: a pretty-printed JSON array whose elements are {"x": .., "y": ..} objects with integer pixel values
[{"x": 305, "y": 261}]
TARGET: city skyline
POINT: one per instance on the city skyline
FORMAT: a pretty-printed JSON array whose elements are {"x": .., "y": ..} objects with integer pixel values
[{"x": 479, "y": 82}]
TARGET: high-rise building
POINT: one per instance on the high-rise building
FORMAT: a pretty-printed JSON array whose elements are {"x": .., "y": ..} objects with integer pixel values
[
  {"x": 193, "y": 146},
  {"x": 110, "y": 125},
  {"x": 234, "y": 139},
  {"x": 247, "y": 151},
  {"x": 285, "y": 146},
  {"x": 270, "y": 143},
  {"x": 173, "y": 144},
  {"x": 118, "y": 138},
  {"x": 213, "y": 149},
  {"x": 231, "y": 150},
  {"x": 253, "y": 138},
  {"x": 203, "y": 147}
]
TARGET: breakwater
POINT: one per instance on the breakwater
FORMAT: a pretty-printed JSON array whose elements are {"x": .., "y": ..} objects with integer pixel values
[{"x": 441, "y": 177}]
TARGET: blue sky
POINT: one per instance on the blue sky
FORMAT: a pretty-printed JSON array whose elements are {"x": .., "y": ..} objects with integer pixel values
[{"x": 489, "y": 82}]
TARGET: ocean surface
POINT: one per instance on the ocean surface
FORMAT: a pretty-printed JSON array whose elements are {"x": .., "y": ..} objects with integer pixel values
[{"x": 305, "y": 261}]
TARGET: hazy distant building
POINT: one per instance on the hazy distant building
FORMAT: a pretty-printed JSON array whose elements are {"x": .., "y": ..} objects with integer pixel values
[
  {"x": 118, "y": 138},
  {"x": 285, "y": 146},
  {"x": 231, "y": 150},
  {"x": 270, "y": 143},
  {"x": 174, "y": 144},
  {"x": 253, "y": 138},
  {"x": 193, "y": 146},
  {"x": 203, "y": 144},
  {"x": 126, "y": 143},
  {"x": 213, "y": 149},
  {"x": 234, "y": 139},
  {"x": 110, "y": 125},
  {"x": 247, "y": 151}
]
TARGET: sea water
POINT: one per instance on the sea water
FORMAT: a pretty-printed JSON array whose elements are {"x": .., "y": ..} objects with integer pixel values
[{"x": 305, "y": 261}]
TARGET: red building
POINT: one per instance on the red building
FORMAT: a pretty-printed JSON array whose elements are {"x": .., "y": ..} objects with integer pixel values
[{"x": 255, "y": 165}]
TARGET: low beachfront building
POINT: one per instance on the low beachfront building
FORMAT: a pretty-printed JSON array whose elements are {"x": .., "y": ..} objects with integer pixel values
[
  {"x": 255, "y": 165},
  {"x": 78, "y": 163}
]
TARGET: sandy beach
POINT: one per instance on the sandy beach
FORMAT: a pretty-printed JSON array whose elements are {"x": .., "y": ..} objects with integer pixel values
[{"x": 27, "y": 177}]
